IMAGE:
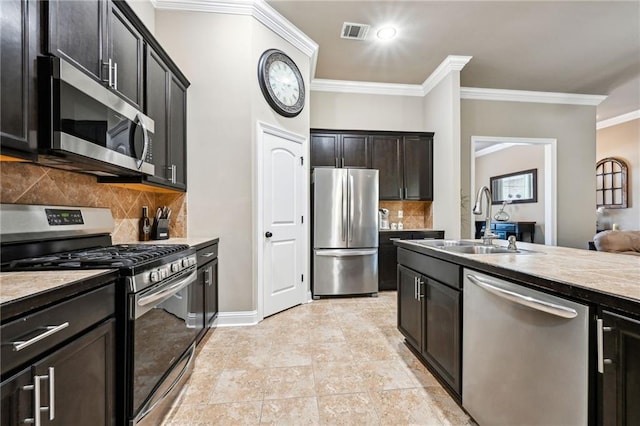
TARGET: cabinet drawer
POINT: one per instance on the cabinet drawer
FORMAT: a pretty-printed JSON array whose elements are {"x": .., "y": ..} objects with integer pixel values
[
  {"x": 207, "y": 254},
  {"x": 387, "y": 237},
  {"x": 420, "y": 235},
  {"x": 445, "y": 272},
  {"x": 79, "y": 313}
]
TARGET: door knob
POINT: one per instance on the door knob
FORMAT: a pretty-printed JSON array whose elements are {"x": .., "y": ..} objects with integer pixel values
[{"x": 268, "y": 234}]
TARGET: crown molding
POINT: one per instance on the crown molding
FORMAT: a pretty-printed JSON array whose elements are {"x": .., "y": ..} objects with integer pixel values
[
  {"x": 258, "y": 9},
  {"x": 614, "y": 121},
  {"x": 476, "y": 93},
  {"x": 366, "y": 87},
  {"x": 451, "y": 63}
]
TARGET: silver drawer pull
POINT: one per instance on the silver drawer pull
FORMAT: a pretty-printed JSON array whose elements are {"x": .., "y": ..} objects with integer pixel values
[
  {"x": 211, "y": 253},
  {"x": 51, "y": 329}
]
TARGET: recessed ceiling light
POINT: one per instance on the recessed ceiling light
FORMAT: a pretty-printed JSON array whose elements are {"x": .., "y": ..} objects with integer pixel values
[{"x": 386, "y": 33}]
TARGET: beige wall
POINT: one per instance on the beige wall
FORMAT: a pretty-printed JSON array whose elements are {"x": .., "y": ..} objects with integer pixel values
[
  {"x": 353, "y": 111},
  {"x": 573, "y": 126},
  {"x": 623, "y": 142},
  {"x": 442, "y": 116},
  {"x": 146, "y": 12},
  {"x": 219, "y": 55},
  {"x": 510, "y": 160}
]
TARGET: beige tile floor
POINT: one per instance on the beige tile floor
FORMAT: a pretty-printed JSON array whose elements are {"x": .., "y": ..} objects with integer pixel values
[{"x": 332, "y": 361}]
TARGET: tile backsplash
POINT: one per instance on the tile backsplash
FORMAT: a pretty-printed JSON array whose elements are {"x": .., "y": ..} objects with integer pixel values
[
  {"x": 27, "y": 183},
  {"x": 417, "y": 214}
]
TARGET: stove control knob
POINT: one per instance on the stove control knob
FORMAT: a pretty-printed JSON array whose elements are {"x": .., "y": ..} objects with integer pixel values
[
  {"x": 192, "y": 261},
  {"x": 185, "y": 262},
  {"x": 175, "y": 267},
  {"x": 164, "y": 273},
  {"x": 155, "y": 277}
]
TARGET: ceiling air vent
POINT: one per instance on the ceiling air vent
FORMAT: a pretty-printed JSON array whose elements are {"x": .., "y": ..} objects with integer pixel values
[{"x": 354, "y": 31}]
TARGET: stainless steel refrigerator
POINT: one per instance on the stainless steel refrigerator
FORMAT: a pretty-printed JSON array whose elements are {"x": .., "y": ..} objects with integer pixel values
[{"x": 345, "y": 231}]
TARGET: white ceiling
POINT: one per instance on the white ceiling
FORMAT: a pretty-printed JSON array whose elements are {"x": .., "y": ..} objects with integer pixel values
[{"x": 585, "y": 47}]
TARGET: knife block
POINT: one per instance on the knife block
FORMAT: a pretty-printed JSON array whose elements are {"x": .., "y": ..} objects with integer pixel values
[{"x": 160, "y": 229}]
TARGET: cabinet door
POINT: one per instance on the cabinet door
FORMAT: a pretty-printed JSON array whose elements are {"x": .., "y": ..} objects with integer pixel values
[
  {"x": 18, "y": 47},
  {"x": 178, "y": 133},
  {"x": 621, "y": 378},
  {"x": 157, "y": 97},
  {"x": 211, "y": 293},
  {"x": 355, "y": 152},
  {"x": 387, "y": 264},
  {"x": 418, "y": 168},
  {"x": 16, "y": 405},
  {"x": 76, "y": 33},
  {"x": 442, "y": 331},
  {"x": 385, "y": 156},
  {"x": 125, "y": 51},
  {"x": 84, "y": 380},
  {"x": 325, "y": 150},
  {"x": 410, "y": 310}
]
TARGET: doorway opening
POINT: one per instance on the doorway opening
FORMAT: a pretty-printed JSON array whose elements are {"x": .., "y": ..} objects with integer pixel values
[{"x": 495, "y": 143}]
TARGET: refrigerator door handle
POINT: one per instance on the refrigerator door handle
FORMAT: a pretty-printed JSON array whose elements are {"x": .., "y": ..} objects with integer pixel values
[
  {"x": 351, "y": 209},
  {"x": 345, "y": 253},
  {"x": 344, "y": 208}
]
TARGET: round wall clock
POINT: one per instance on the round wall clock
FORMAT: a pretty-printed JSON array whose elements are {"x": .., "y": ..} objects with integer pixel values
[{"x": 281, "y": 83}]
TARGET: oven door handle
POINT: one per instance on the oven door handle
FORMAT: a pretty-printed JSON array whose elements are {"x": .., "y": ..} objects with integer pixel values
[{"x": 163, "y": 292}]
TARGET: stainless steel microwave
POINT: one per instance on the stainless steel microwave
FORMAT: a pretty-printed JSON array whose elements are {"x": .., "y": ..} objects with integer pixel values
[{"x": 84, "y": 126}]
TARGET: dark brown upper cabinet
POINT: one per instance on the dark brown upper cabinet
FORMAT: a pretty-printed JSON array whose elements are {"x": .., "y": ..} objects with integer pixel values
[
  {"x": 405, "y": 162},
  {"x": 19, "y": 47},
  {"x": 96, "y": 37},
  {"x": 166, "y": 105},
  {"x": 339, "y": 149}
]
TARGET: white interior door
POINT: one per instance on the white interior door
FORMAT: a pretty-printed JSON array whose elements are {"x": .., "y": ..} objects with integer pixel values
[{"x": 283, "y": 208}]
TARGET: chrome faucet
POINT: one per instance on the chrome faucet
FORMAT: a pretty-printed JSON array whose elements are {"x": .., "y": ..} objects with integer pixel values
[{"x": 487, "y": 238}]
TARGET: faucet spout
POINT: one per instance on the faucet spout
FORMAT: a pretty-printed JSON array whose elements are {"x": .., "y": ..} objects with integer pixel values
[{"x": 488, "y": 236}]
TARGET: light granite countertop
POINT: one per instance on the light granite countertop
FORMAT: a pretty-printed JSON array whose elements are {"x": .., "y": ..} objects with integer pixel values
[
  {"x": 21, "y": 292},
  {"x": 609, "y": 274},
  {"x": 409, "y": 229}
]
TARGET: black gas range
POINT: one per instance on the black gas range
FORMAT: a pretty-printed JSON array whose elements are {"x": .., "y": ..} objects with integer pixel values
[{"x": 156, "y": 313}]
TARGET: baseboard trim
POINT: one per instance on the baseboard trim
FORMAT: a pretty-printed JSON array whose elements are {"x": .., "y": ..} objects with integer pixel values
[{"x": 236, "y": 319}]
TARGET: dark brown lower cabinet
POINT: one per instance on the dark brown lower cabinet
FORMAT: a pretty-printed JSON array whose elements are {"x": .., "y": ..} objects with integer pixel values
[
  {"x": 76, "y": 384},
  {"x": 620, "y": 390},
  {"x": 442, "y": 335},
  {"x": 205, "y": 299},
  {"x": 387, "y": 258},
  {"x": 429, "y": 314},
  {"x": 410, "y": 307}
]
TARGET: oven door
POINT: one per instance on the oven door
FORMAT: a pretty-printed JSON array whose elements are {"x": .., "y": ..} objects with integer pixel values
[{"x": 162, "y": 333}]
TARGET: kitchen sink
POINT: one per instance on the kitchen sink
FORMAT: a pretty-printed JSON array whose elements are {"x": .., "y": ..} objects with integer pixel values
[
  {"x": 445, "y": 243},
  {"x": 479, "y": 249},
  {"x": 468, "y": 247}
]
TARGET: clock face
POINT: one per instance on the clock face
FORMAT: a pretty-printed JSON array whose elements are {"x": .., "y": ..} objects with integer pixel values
[{"x": 281, "y": 83}]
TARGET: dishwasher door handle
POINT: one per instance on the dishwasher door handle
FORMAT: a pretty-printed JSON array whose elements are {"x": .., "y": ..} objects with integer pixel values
[{"x": 539, "y": 305}]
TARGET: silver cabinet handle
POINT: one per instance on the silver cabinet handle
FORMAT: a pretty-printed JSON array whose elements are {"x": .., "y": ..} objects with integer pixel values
[
  {"x": 209, "y": 254},
  {"x": 174, "y": 173},
  {"x": 110, "y": 72},
  {"x": 145, "y": 138},
  {"x": 52, "y": 393},
  {"x": 539, "y": 305},
  {"x": 342, "y": 162},
  {"x": 600, "y": 345},
  {"x": 115, "y": 75},
  {"x": 336, "y": 162},
  {"x": 51, "y": 329}
]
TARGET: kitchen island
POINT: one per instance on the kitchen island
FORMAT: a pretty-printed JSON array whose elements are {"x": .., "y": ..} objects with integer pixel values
[{"x": 459, "y": 312}]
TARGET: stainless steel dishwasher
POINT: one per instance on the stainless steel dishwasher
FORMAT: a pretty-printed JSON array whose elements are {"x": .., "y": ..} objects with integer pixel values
[{"x": 524, "y": 355}]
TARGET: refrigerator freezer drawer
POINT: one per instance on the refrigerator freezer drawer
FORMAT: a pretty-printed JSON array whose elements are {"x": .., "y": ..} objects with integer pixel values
[{"x": 344, "y": 272}]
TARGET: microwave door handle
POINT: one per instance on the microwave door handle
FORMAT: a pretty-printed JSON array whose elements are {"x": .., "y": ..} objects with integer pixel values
[{"x": 145, "y": 137}]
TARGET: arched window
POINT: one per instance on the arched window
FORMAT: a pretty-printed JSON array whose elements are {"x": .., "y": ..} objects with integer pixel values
[{"x": 611, "y": 183}]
